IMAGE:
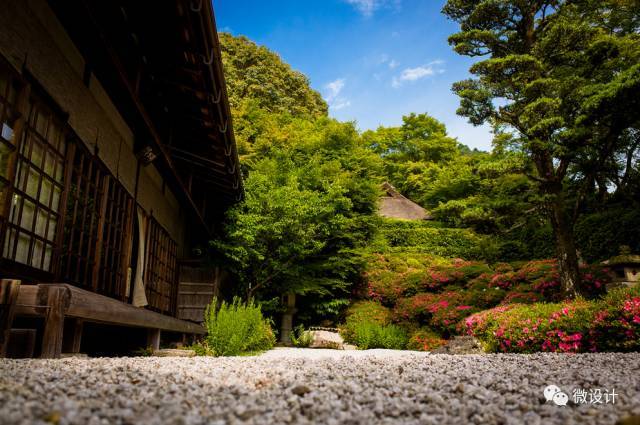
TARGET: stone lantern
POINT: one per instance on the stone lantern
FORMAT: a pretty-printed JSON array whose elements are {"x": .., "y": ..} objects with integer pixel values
[
  {"x": 625, "y": 267},
  {"x": 287, "y": 319}
]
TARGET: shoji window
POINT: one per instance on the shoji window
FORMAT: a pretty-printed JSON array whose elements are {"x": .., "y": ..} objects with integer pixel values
[
  {"x": 83, "y": 216},
  {"x": 9, "y": 115},
  {"x": 97, "y": 229},
  {"x": 34, "y": 209},
  {"x": 115, "y": 240},
  {"x": 161, "y": 275}
]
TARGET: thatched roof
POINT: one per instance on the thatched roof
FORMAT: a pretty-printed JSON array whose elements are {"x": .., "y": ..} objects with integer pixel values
[{"x": 394, "y": 205}]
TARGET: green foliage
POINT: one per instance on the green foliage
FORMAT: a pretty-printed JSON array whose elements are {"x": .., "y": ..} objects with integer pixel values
[
  {"x": 254, "y": 72},
  {"x": 368, "y": 325},
  {"x": 236, "y": 328},
  {"x": 600, "y": 235},
  {"x": 309, "y": 204},
  {"x": 423, "y": 236},
  {"x": 558, "y": 81},
  {"x": 368, "y": 335},
  {"x": 201, "y": 348},
  {"x": 300, "y": 337},
  {"x": 609, "y": 324},
  {"x": 364, "y": 311}
]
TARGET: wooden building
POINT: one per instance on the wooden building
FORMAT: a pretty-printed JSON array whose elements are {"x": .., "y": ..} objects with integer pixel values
[{"x": 117, "y": 159}]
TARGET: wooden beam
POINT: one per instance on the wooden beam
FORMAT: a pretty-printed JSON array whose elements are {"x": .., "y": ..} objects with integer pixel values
[
  {"x": 57, "y": 302},
  {"x": 9, "y": 290},
  {"x": 29, "y": 303},
  {"x": 100, "y": 309}
]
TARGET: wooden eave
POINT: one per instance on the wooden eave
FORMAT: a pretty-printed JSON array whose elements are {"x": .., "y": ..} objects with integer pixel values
[{"x": 160, "y": 64}]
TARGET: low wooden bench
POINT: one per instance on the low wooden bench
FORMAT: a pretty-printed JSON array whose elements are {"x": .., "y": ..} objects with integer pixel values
[{"x": 57, "y": 302}]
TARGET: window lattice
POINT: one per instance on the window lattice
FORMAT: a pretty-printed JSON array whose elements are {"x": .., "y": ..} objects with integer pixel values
[{"x": 161, "y": 275}]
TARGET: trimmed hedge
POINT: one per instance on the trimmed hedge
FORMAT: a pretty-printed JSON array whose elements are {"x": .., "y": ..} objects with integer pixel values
[{"x": 429, "y": 237}]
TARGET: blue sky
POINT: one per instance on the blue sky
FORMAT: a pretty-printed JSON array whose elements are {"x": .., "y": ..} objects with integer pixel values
[{"x": 373, "y": 60}]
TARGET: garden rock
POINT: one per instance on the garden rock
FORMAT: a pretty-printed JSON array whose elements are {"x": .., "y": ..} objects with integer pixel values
[
  {"x": 460, "y": 345},
  {"x": 326, "y": 339},
  {"x": 174, "y": 352}
]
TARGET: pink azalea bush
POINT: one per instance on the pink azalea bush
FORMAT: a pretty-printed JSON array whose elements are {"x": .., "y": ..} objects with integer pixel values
[
  {"x": 391, "y": 276},
  {"x": 441, "y": 312},
  {"x": 425, "y": 340},
  {"x": 451, "y": 297},
  {"x": 608, "y": 324}
]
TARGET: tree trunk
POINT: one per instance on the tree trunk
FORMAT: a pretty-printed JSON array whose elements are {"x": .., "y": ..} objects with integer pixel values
[
  {"x": 562, "y": 225},
  {"x": 568, "y": 265}
]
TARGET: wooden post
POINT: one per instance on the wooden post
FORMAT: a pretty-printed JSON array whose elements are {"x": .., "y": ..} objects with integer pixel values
[
  {"x": 73, "y": 336},
  {"x": 153, "y": 339},
  {"x": 57, "y": 303},
  {"x": 8, "y": 297}
]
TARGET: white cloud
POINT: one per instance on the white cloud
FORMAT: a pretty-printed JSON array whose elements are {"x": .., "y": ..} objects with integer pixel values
[
  {"x": 341, "y": 104},
  {"x": 368, "y": 7},
  {"x": 418, "y": 73},
  {"x": 333, "y": 91},
  {"x": 393, "y": 64},
  {"x": 334, "y": 88}
]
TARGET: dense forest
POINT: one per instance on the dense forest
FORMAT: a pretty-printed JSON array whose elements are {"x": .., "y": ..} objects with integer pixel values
[{"x": 563, "y": 171}]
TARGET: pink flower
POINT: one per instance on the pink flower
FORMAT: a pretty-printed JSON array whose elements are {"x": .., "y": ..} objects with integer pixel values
[
  {"x": 565, "y": 311},
  {"x": 463, "y": 307},
  {"x": 564, "y": 346},
  {"x": 636, "y": 319},
  {"x": 525, "y": 330}
]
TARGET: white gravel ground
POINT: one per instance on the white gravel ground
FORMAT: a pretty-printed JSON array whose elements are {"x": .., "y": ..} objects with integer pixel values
[{"x": 316, "y": 386}]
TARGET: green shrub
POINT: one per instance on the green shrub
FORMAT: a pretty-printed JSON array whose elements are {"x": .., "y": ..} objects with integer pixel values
[
  {"x": 300, "y": 337},
  {"x": 367, "y": 335},
  {"x": 201, "y": 348},
  {"x": 237, "y": 328},
  {"x": 364, "y": 311}
]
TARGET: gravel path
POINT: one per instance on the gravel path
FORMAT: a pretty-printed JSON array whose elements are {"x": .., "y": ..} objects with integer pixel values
[{"x": 316, "y": 386}]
